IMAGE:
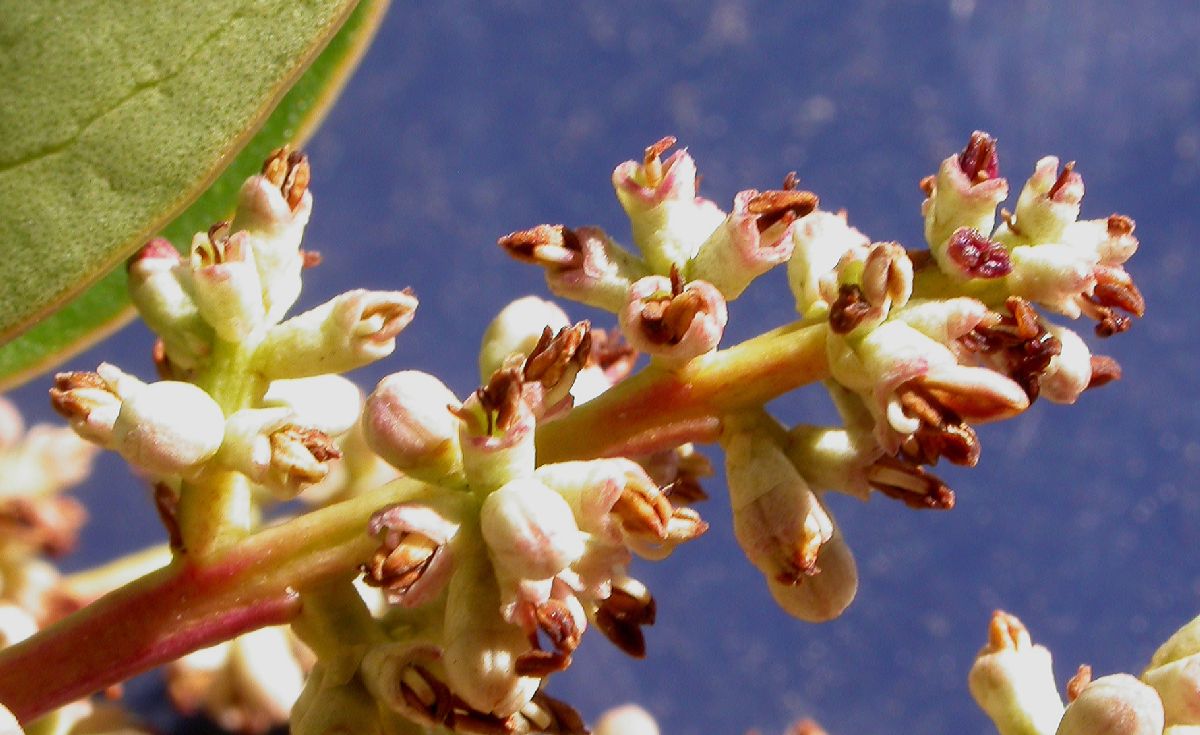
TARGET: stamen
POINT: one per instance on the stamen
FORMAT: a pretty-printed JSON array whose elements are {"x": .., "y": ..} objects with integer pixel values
[
  {"x": 978, "y": 256},
  {"x": 1104, "y": 370},
  {"x": 978, "y": 160},
  {"x": 780, "y": 207},
  {"x": 849, "y": 310},
  {"x": 909, "y": 484},
  {"x": 550, "y": 246},
  {"x": 1076, "y": 684}
]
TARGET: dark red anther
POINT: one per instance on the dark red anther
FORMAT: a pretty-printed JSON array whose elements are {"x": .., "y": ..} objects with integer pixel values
[
  {"x": 977, "y": 256},
  {"x": 979, "y": 160}
]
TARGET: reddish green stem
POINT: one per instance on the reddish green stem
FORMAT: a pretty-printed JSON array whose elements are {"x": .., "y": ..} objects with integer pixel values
[
  {"x": 662, "y": 407},
  {"x": 189, "y": 605}
]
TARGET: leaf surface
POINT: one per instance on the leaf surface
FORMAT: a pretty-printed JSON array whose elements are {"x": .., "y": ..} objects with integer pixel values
[{"x": 132, "y": 119}]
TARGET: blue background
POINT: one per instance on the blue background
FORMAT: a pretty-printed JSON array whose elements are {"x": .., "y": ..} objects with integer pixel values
[{"x": 468, "y": 120}]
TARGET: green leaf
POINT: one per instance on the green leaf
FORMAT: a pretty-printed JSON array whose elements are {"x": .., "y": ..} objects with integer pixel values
[{"x": 122, "y": 121}]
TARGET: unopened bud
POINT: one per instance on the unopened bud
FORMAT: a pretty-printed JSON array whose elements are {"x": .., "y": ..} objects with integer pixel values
[
  {"x": 327, "y": 403},
  {"x": 168, "y": 428},
  {"x": 628, "y": 719},
  {"x": 225, "y": 283},
  {"x": 516, "y": 330},
  {"x": 530, "y": 530},
  {"x": 1117, "y": 704},
  {"x": 408, "y": 421},
  {"x": 352, "y": 330},
  {"x": 157, "y": 290},
  {"x": 1013, "y": 682}
]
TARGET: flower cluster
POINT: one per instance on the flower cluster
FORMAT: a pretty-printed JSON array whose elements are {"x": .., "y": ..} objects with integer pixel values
[
  {"x": 497, "y": 566},
  {"x": 1013, "y": 681},
  {"x": 919, "y": 345},
  {"x": 241, "y": 389}
]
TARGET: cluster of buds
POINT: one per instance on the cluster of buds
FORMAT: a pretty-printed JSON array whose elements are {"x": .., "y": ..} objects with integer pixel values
[
  {"x": 1013, "y": 681},
  {"x": 241, "y": 389},
  {"x": 919, "y": 344},
  {"x": 495, "y": 568}
]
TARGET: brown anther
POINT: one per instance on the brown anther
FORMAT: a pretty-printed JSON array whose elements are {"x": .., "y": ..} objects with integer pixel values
[
  {"x": 780, "y": 207},
  {"x": 540, "y": 664},
  {"x": 1006, "y": 633},
  {"x": 978, "y": 160},
  {"x": 555, "y": 355},
  {"x": 399, "y": 562},
  {"x": 652, "y": 161},
  {"x": 166, "y": 502},
  {"x": 1077, "y": 683},
  {"x": 555, "y": 620},
  {"x": 296, "y": 183},
  {"x": 791, "y": 181},
  {"x": 643, "y": 510},
  {"x": 289, "y": 170},
  {"x": 849, "y": 309},
  {"x": 978, "y": 256},
  {"x": 1063, "y": 177},
  {"x": 311, "y": 259},
  {"x": 551, "y": 246},
  {"x": 620, "y": 618},
  {"x": 1119, "y": 225},
  {"x": 667, "y": 318},
  {"x": 927, "y": 185},
  {"x": 1109, "y": 323},
  {"x": 501, "y": 399},
  {"x": 1112, "y": 291},
  {"x": 1025, "y": 317},
  {"x": 218, "y": 234},
  {"x": 909, "y": 484},
  {"x": 1104, "y": 370},
  {"x": 65, "y": 397}
]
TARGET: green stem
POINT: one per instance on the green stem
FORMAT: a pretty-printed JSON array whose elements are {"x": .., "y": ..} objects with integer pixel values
[
  {"x": 217, "y": 509},
  {"x": 660, "y": 407},
  {"x": 191, "y": 604}
]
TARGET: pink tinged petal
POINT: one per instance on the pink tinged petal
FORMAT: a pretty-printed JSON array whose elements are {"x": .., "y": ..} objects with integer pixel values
[
  {"x": 975, "y": 394},
  {"x": 1109, "y": 241},
  {"x": 601, "y": 274},
  {"x": 964, "y": 194},
  {"x": 943, "y": 320},
  {"x": 649, "y": 183},
  {"x": 225, "y": 283},
  {"x": 1012, "y": 679},
  {"x": 408, "y": 421},
  {"x": 1117, "y": 704},
  {"x": 673, "y": 322},
  {"x": 591, "y": 487},
  {"x": 1178, "y": 686},
  {"x": 168, "y": 428},
  {"x": 755, "y": 237},
  {"x": 825, "y": 596},
  {"x": 1052, "y": 275},
  {"x": 530, "y": 530}
]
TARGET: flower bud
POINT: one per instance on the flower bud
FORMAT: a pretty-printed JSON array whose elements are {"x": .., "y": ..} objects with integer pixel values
[
  {"x": 1052, "y": 275},
  {"x": 820, "y": 240},
  {"x": 669, "y": 221},
  {"x": 157, "y": 291},
  {"x": 530, "y": 530},
  {"x": 168, "y": 428},
  {"x": 963, "y": 195},
  {"x": 496, "y": 432},
  {"x": 583, "y": 264},
  {"x": 352, "y": 330},
  {"x": 516, "y": 331},
  {"x": 673, "y": 321},
  {"x": 415, "y": 557},
  {"x": 327, "y": 403},
  {"x": 1013, "y": 682},
  {"x": 481, "y": 649},
  {"x": 1117, "y": 704},
  {"x": 273, "y": 210},
  {"x": 628, "y": 719},
  {"x": 225, "y": 284},
  {"x": 1049, "y": 203},
  {"x": 783, "y": 527},
  {"x": 754, "y": 238},
  {"x": 408, "y": 420}
]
